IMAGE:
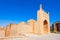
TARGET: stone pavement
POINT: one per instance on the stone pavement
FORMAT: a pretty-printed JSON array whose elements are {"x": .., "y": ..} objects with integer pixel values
[{"x": 50, "y": 36}]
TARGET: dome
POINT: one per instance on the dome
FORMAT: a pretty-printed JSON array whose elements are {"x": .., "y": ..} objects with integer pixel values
[
  {"x": 31, "y": 20},
  {"x": 22, "y": 23}
]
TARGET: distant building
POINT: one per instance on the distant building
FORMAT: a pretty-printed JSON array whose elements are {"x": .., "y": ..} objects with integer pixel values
[
  {"x": 41, "y": 26},
  {"x": 56, "y": 27}
]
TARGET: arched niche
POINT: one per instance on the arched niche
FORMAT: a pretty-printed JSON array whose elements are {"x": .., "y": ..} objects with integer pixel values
[{"x": 45, "y": 26}]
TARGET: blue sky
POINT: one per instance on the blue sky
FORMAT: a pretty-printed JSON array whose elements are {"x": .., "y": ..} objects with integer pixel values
[{"x": 16, "y": 11}]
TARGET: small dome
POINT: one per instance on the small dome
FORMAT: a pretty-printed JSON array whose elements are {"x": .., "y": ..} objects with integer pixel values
[
  {"x": 31, "y": 20},
  {"x": 22, "y": 23},
  {"x": 1, "y": 28}
]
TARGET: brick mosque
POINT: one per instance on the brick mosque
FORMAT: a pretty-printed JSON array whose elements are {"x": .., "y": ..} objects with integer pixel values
[{"x": 41, "y": 26}]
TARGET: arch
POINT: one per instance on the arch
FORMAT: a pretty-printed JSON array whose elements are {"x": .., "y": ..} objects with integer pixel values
[{"x": 45, "y": 26}]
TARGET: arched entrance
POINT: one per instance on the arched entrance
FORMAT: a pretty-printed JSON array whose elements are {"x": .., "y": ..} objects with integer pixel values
[{"x": 45, "y": 26}]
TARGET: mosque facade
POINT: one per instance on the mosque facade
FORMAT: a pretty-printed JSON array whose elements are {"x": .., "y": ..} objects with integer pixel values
[{"x": 39, "y": 26}]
